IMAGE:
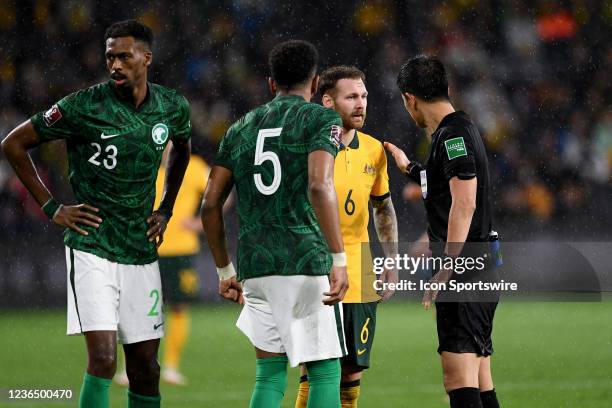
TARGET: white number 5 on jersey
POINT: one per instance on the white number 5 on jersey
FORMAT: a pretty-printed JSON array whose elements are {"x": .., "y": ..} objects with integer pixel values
[{"x": 261, "y": 156}]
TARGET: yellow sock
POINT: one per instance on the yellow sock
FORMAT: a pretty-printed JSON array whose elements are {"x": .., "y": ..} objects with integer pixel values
[
  {"x": 302, "y": 396},
  {"x": 176, "y": 336},
  {"x": 349, "y": 393}
]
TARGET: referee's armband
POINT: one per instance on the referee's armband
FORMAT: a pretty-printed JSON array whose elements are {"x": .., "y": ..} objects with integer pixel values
[{"x": 413, "y": 172}]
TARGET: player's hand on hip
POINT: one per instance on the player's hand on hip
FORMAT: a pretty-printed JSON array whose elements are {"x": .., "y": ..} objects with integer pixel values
[
  {"x": 338, "y": 285},
  {"x": 388, "y": 276},
  {"x": 430, "y": 295},
  {"x": 157, "y": 225},
  {"x": 401, "y": 160},
  {"x": 71, "y": 216},
  {"x": 231, "y": 289}
]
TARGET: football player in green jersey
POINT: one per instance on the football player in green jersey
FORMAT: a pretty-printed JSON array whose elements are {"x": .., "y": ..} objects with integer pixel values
[
  {"x": 291, "y": 260},
  {"x": 115, "y": 135}
]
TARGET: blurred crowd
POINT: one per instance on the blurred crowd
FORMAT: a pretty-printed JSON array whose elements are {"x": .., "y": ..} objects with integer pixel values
[{"x": 533, "y": 75}]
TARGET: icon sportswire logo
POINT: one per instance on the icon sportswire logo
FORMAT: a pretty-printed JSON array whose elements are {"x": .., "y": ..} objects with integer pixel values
[{"x": 103, "y": 136}]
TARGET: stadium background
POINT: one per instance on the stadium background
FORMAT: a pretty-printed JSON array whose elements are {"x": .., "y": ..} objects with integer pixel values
[{"x": 533, "y": 74}]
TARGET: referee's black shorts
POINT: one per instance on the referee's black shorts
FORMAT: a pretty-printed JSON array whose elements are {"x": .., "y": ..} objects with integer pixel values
[
  {"x": 465, "y": 327},
  {"x": 465, "y": 323}
]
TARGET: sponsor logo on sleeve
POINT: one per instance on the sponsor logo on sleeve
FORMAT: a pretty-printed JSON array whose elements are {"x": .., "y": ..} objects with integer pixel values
[
  {"x": 52, "y": 115},
  {"x": 455, "y": 148},
  {"x": 335, "y": 135}
]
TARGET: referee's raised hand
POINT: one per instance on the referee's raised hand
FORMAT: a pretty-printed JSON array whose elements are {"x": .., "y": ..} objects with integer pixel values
[{"x": 401, "y": 160}]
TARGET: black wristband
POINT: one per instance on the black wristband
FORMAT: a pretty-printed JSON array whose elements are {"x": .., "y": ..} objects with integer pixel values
[
  {"x": 413, "y": 172},
  {"x": 50, "y": 208}
]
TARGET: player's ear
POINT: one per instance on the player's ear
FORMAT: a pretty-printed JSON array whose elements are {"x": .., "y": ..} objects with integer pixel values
[
  {"x": 148, "y": 58},
  {"x": 314, "y": 85},
  {"x": 409, "y": 101},
  {"x": 272, "y": 85},
  {"x": 327, "y": 101},
  {"x": 405, "y": 98}
]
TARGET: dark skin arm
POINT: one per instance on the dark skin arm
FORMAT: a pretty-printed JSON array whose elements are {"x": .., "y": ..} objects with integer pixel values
[
  {"x": 325, "y": 203},
  {"x": 219, "y": 186},
  {"x": 178, "y": 159},
  {"x": 15, "y": 147}
]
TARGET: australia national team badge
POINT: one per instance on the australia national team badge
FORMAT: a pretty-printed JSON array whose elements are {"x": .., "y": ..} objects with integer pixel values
[
  {"x": 369, "y": 169},
  {"x": 424, "y": 183},
  {"x": 52, "y": 115},
  {"x": 335, "y": 135},
  {"x": 160, "y": 133}
]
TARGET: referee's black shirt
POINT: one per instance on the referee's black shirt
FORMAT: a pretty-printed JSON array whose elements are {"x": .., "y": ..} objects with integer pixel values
[{"x": 457, "y": 150}]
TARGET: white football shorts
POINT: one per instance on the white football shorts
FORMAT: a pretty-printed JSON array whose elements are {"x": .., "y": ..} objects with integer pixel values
[
  {"x": 286, "y": 314},
  {"x": 104, "y": 295}
]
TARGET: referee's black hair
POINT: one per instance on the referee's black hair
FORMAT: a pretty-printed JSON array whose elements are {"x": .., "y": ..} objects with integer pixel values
[
  {"x": 293, "y": 62},
  {"x": 130, "y": 28},
  {"x": 424, "y": 77}
]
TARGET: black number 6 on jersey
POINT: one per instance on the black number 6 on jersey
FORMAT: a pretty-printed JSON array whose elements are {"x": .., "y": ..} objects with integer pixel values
[{"x": 349, "y": 205}]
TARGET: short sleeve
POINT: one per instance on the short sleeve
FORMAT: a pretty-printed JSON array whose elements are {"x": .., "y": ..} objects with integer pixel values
[
  {"x": 182, "y": 126},
  {"x": 457, "y": 156},
  {"x": 327, "y": 131},
  {"x": 60, "y": 121},
  {"x": 224, "y": 158},
  {"x": 380, "y": 189}
]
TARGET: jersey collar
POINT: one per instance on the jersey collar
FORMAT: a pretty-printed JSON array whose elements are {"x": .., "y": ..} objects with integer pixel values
[
  {"x": 143, "y": 106},
  {"x": 288, "y": 96},
  {"x": 354, "y": 143},
  {"x": 448, "y": 118}
]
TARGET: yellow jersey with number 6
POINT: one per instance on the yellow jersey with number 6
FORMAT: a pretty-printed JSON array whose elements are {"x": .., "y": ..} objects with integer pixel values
[{"x": 360, "y": 175}]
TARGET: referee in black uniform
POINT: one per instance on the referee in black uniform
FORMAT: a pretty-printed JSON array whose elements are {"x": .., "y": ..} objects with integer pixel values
[{"x": 455, "y": 186}]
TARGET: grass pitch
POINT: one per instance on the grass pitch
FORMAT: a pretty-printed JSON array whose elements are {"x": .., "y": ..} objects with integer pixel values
[{"x": 546, "y": 355}]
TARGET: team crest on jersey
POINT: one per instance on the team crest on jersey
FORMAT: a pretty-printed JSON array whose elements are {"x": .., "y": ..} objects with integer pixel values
[
  {"x": 369, "y": 169},
  {"x": 52, "y": 115},
  {"x": 335, "y": 135},
  {"x": 160, "y": 133}
]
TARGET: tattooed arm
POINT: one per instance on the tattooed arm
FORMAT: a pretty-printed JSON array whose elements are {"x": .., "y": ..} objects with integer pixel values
[{"x": 385, "y": 222}]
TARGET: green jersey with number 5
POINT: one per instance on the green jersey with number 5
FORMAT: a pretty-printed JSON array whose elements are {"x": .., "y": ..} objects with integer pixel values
[
  {"x": 114, "y": 152},
  {"x": 267, "y": 151}
]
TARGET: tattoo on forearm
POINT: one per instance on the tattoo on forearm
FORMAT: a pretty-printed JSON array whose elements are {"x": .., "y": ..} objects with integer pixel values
[{"x": 385, "y": 222}]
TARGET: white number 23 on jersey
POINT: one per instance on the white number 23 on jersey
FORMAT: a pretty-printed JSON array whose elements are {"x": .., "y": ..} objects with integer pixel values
[{"x": 110, "y": 159}]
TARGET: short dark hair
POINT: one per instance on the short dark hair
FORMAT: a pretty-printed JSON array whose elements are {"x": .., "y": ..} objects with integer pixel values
[
  {"x": 130, "y": 28},
  {"x": 293, "y": 62},
  {"x": 331, "y": 76},
  {"x": 424, "y": 77}
]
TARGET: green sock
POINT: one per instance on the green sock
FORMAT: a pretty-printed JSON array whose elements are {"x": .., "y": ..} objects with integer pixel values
[
  {"x": 270, "y": 382},
  {"x": 143, "y": 401},
  {"x": 324, "y": 383},
  {"x": 94, "y": 392}
]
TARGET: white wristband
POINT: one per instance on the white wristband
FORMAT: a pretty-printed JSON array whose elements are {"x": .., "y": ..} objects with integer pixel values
[
  {"x": 339, "y": 259},
  {"x": 226, "y": 272}
]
